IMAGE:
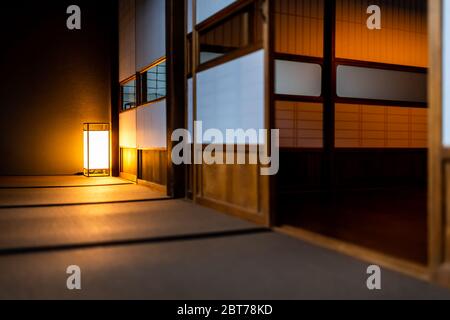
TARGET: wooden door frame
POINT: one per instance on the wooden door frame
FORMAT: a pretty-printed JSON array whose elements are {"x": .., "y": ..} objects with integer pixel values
[
  {"x": 439, "y": 158},
  {"x": 264, "y": 185}
]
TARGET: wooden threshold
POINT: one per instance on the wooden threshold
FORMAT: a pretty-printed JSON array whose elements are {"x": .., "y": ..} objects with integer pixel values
[
  {"x": 129, "y": 177},
  {"x": 232, "y": 210},
  {"x": 409, "y": 268},
  {"x": 153, "y": 186}
]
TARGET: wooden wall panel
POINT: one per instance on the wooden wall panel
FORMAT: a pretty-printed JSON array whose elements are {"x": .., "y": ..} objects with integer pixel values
[
  {"x": 402, "y": 39},
  {"x": 231, "y": 186},
  {"x": 230, "y": 34},
  {"x": 300, "y": 124},
  {"x": 127, "y": 43},
  {"x": 300, "y": 171},
  {"x": 354, "y": 168},
  {"x": 385, "y": 168},
  {"x": 299, "y": 27},
  {"x": 446, "y": 204},
  {"x": 234, "y": 185},
  {"x": 363, "y": 126},
  {"x": 153, "y": 166}
]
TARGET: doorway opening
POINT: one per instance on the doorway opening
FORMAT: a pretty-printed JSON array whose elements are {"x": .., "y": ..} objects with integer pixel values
[{"x": 143, "y": 127}]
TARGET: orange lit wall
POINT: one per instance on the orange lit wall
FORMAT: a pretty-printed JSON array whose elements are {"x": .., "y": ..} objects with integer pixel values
[
  {"x": 300, "y": 124},
  {"x": 360, "y": 126},
  {"x": 299, "y": 27},
  {"x": 299, "y": 31},
  {"x": 402, "y": 40}
]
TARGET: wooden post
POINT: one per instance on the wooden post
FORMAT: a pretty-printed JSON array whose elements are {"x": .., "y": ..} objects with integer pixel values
[
  {"x": 329, "y": 91},
  {"x": 435, "y": 208},
  {"x": 176, "y": 90},
  {"x": 115, "y": 91}
]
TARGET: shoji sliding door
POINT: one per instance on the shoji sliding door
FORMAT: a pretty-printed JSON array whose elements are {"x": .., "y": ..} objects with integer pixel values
[
  {"x": 400, "y": 49},
  {"x": 298, "y": 33},
  {"x": 228, "y": 91},
  {"x": 350, "y": 100},
  {"x": 381, "y": 93}
]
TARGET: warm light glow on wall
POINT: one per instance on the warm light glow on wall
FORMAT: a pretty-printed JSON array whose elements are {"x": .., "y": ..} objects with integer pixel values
[{"x": 96, "y": 149}]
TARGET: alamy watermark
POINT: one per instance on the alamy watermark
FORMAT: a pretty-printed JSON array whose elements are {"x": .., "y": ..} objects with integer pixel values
[
  {"x": 73, "y": 22},
  {"x": 374, "y": 21},
  {"x": 374, "y": 279},
  {"x": 230, "y": 146},
  {"x": 73, "y": 282}
]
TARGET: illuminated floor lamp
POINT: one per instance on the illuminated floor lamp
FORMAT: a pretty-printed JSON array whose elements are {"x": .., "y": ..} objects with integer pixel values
[{"x": 96, "y": 149}]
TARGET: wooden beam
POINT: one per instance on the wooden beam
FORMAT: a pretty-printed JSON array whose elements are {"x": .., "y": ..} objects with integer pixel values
[
  {"x": 274, "y": 218},
  {"x": 176, "y": 90},
  {"x": 329, "y": 90},
  {"x": 435, "y": 197},
  {"x": 115, "y": 91}
]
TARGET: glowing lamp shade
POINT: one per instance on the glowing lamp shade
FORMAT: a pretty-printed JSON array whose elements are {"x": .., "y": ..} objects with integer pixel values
[{"x": 96, "y": 149}]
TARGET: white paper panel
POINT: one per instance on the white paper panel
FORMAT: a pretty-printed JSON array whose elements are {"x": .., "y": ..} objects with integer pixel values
[
  {"x": 207, "y": 8},
  {"x": 189, "y": 16},
  {"x": 150, "y": 31},
  {"x": 96, "y": 145},
  {"x": 231, "y": 95},
  {"x": 366, "y": 83},
  {"x": 152, "y": 126},
  {"x": 446, "y": 74},
  {"x": 127, "y": 129},
  {"x": 298, "y": 78},
  {"x": 127, "y": 61}
]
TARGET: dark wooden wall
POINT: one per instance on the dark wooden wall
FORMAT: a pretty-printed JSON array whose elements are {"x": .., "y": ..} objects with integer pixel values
[
  {"x": 152, "y": 166},
  {"x": 354, "y": 168},
  {"x": 52, "y": 80}
]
